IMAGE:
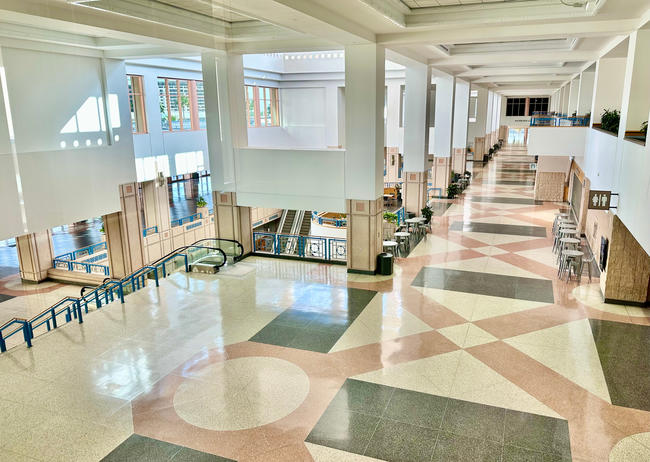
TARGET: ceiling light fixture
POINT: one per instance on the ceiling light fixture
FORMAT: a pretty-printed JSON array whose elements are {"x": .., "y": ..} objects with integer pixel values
[{"x": 575, "y": 3}]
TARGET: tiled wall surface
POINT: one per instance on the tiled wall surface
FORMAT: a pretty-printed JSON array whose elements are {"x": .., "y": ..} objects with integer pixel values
[{"x": 549, "y": 186}]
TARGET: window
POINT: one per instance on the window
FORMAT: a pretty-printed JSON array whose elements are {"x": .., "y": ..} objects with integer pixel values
[
  {"x": 402, "y": 107},
  {"x": 189, "y": 162},
  {"x": 537, "y": 105},
  {"x": 147, "y": 168},
  {"x": 182, "y": 104},
  {"x": 136, "y": 103},
  {"x": 515, "y": 107},
  {"x": 262, "y": 106}
]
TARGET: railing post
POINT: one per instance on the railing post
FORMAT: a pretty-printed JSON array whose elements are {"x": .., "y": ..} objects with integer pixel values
[
  {"x": 53, "y": 313},
  {"x": 97, "y": 301},
  {"x": 26, "y": 335},
  {"x": 155, "y": 273},
  {"x": 3, "y": 345},
  {"x": 68, "y": 317},
  {"x": 164, "y": 271},
  {"x": 133, "y": 283},
  {"x": 80, "y": 316},
  {"x": 121, "y": 292},
  {"x": 187, "y": 265}
]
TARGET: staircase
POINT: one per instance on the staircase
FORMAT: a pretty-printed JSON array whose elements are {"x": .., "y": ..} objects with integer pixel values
[{"x": 305, "y": 227}]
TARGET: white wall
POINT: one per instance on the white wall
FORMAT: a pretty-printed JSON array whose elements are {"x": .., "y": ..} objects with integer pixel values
[
  {"x": 156, "y": 142},
  {"x": 477, "y": 129},
  {"x": 610, "y": 75},
  {"x": 445, "y": 89},
  {"x": 557, "y": 141},
  {"x": 296, "y": 179},
  {"x": 64, "y": 185}
]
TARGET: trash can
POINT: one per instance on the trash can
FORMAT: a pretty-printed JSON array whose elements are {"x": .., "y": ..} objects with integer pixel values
[{"x": 385, "y": 264}]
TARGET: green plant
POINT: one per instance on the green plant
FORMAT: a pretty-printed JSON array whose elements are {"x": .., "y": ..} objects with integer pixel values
[
  {"x": 427, "y": 213},
  {"x": 610, "y": 119},
  {"x": 468, "y": 173},
  {"x": 496, "y": 147},
  {"x": 201, "y": 202},
  {"x": 452, "y": 190},
  {"x": 102, "y": 230},
  {"x": 391, "y": 217},
  {"x": 644, "y": 128},
  {"x": 491, "y": 151}
]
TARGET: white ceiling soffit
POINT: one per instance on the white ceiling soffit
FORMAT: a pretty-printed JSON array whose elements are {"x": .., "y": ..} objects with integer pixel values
[{"x": 564, "y": 44}]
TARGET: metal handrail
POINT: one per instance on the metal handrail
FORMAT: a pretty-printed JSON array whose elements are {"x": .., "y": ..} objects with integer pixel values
[{"x": 72, "y": 306}]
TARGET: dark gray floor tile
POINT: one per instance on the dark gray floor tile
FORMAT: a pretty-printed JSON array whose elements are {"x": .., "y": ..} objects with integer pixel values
[
  {"x": 496, "y": 285},
  {"x": 4, "y": 298},
  {"x": 515, "y": 454},
  {"x": 366, "y": 397},
  {"x": 358, "y": 299},
  {"x": 191, "y": 455},
  {"x": 313, "y": 340},
  {"x": 343, "y": 429},
  {"x": 138, "y": 448},
  {"x": 276, "y": 334},
  {"x": 497, "y": 228},
  {"x": 624, "y": 351},
  {"x": 455, "y": 448},
  {"x": 401, "y": 442},
  {"x": 295, "y": 318},
  {"x": 537, "y": 433},
  {"x": 474, "y": 420},
  {"x": 415, "y": 408},
  {"x": 330, "y": 323}
]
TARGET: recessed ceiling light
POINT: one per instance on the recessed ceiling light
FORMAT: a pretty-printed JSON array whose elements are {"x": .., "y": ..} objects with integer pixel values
[
  {"x": 62, "y": 144},
  {"x": 100, "y": 141},
  {"x": 75, "y": 143},
  {"x": 88, "y": 142}
]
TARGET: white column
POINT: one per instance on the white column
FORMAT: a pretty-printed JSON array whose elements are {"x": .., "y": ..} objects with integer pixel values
[
  {"x": 459, "y": 139},
  {"x": 223, "y": 84},
  {"x": 636, "y": 92},
  {"x": 364, "y": 157},
  {"x": 443, "y": 130},
  {"x": 364, "y": 121},
  {"x": 610, "y": 75},
  {"x": 586, "y": 96},
  {"x": 573, "y": 96}
]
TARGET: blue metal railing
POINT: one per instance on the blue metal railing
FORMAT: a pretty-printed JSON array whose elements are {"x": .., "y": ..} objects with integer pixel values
[
  {"x": 401, "y": 215},
  {"x": 149, "y": 231},
  {"x": 338, "y": 222},
  {"x": 69, "y": 308},
  {"x": 392, "y": 184},
  {"x": 434, "y": 190},
  {"x": 89, "y": 250},
  {"x": 187, "y": 219},
  {"x": 559, "y": 121},
  {"x": 71, "y": 265},
  {"x": 322, "y": 248}
]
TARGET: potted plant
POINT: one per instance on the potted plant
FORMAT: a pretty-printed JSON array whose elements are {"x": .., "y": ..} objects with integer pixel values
[
  {"x": 496, "y": 147},
  {"x": 452, "y": 191},
  {"x": 202, "y": 207},
  {"x": 610, "y": 120},
  {"x": 644, "y": 129},
  {"x": 427, "y": 213},
  {"x": 389, "y": 225}
]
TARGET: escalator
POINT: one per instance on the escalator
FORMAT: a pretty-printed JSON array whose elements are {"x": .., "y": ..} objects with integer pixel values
[{"x": 305, "y": 227}]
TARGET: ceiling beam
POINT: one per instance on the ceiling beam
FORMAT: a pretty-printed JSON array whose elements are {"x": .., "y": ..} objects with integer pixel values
[
  {"x": 493, "y": 71},
  {"x": 526, "y": 78},
  {"x": 545, "y": 57}
]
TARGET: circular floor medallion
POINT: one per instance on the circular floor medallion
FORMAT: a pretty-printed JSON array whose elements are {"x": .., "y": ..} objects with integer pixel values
[
  {"x": 241, "y": 393},
  {"x": 634, "y": 448}
]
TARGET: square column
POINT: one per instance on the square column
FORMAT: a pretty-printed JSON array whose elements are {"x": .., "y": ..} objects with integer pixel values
[
  {"x": 416, "y": 136},
  {"x": 461, "y": 113},
  {"x": 636, "y": 91},
  {"x": 232, "y": 221},
  {"x": 124, "y": 241},
  {"x": 364, "y": 134},
  {"x": 35, "y": 255},
  {"x": 586, "y": 95},
  {"x": 444, "y": 129}
]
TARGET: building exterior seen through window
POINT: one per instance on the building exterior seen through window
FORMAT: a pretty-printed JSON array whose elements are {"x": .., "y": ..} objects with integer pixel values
[
  {"x": 523, "y": 107},
  {"x": 136, "y": 103},
  {"x": 182, "y": 104},
  {"x": 262, "y": 106}
]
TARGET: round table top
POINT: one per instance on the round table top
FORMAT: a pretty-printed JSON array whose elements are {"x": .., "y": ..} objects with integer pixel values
[
  {"x": 573, "y": 253},
  {"x": 390, "y": 244},
  {"x": 567, "y": 226},
  {"x": 413, "y": 220},
  {"x": 388, "y": 195},
  {"x": 568, "y": 231},
  {"x": 570, "y": 240},
  {"x": 402, "y": 234}
]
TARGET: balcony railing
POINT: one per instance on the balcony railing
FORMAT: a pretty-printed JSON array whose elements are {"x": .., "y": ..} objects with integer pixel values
[
  {"x": 312, "y": 247},
  {"x": 559, "y": 122}
]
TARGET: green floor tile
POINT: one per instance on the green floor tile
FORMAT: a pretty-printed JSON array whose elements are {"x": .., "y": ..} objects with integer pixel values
[
  {"x": 419, "y": 409},
  {"x": 537, "y": 433},
  {"x": 474, "y": 420},
  {"x": 313, "y": 340},
  {"x": 401, "y": 442},
  {"x": 368, "y": 398},
  {"x": 343, "y": 429},
  {"x": 515, "y": 454},
  {"x": 455, "y": 448},
  {"x": 276, "y": 334}
]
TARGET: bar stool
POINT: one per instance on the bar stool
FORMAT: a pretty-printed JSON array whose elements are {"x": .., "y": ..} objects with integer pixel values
[
  {"x": 390, "y": 245},
  {"x": 567, "y": 243},
  {"x": 570, "y": 259}
]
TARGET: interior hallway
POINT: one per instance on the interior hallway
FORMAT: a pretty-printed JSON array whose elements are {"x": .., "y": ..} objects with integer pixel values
[{"x": 473, "y": 350}]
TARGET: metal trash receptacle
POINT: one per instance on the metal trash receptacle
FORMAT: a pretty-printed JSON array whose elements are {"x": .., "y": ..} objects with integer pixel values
[{"x": 385, "y": 264}]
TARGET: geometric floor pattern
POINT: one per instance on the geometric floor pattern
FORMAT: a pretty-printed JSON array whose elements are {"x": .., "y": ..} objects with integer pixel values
[
  {"x": 472, "y": 350},
  {"x": 394, "y": 424}
]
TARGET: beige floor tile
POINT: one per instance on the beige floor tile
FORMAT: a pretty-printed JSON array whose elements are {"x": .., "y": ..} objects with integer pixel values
[
  {"x": 569, "y": 350},
  {"x": 325, "y": 454},
  {"x": 467, "y": 335},
  {"x": 434, "y": 244},
  {"x": 635, "y": 448}
]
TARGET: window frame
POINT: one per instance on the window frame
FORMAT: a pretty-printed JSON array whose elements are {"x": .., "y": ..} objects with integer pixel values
[
  {"x": 140, "y": 97},
  {"x": 519, "y": 103},
  {"x": 273, "y": 105},
  {"x": 192, "y": 103}
]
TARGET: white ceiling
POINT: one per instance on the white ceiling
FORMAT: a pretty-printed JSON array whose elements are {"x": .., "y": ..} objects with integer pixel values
[{"x": 509, "y": 45}]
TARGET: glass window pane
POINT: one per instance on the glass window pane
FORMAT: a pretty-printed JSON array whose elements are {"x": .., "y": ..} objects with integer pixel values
[
  {"x": 200, "y": 102},
  {"x": 162, "y": 101},
  {"x": 174, "y": 104},
  {"x": 262, "y": 108},
  {"x": 186, "y": 111}
]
